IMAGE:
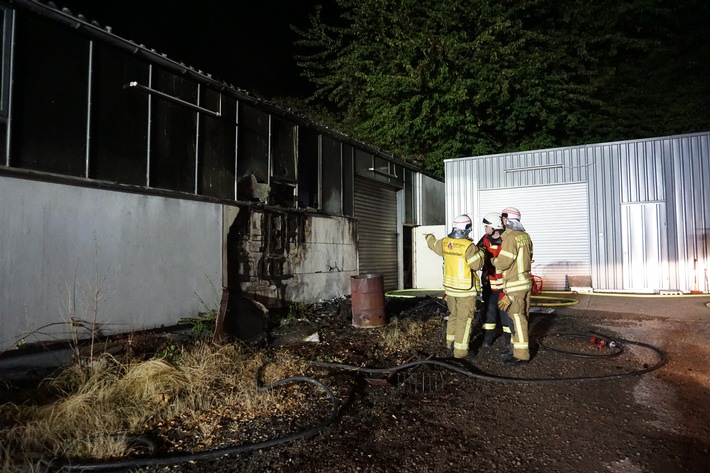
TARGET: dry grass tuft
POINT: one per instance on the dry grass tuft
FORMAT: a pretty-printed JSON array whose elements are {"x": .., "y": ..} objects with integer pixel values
[
  {"x": 124, "y": 397},
  {"x": 205, "y": 383},
  {"x": 405, "y": 335}
]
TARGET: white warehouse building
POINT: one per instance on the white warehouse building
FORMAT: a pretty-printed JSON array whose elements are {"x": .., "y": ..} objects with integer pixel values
[{"x": 621, "y": 216}]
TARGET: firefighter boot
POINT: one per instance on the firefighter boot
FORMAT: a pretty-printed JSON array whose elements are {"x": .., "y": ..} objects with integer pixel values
[
  {"x": 508, "y": 351},
  {"x": 489, "y": 336},
  {"x": 509, "y": 359}
]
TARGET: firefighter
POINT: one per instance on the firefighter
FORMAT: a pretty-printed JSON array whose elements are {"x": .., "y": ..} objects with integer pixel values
[
  {"x": 492, "y": 279},
  {"x": 514, "y": 260},
  {"x": 461, "y": 261}
]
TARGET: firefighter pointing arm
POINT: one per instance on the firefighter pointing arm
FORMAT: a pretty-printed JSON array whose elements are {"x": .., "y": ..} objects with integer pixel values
[{"x": 461, "y": 261}]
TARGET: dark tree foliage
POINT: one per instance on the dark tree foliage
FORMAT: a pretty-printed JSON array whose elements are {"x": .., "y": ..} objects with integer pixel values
[
  {"x": 665, "y": 90},
  {"x": 429, "y": 80}
]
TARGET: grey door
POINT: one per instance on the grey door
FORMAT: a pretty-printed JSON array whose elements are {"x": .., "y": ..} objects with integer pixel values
[{"x": 376, "y": 212}]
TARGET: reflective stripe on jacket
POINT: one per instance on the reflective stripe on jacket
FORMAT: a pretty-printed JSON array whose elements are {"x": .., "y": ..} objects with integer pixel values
[{"x": 514, "y": 260}]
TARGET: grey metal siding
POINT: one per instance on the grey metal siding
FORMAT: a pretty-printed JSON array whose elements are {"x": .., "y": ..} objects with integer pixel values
[
  {"x": 605, "y": 216},
  {"x": 671, "y": 173},
  {"x": 689, "y": 164},
  {"x": 376, "y": 211}
]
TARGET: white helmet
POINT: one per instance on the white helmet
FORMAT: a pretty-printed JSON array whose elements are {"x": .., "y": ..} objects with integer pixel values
[
  {"x": 461, "y": 227},
  {"x": 462, "y": 222},
  {"x": 511, "y": 212},
  {"x": 492, "y": 219}
]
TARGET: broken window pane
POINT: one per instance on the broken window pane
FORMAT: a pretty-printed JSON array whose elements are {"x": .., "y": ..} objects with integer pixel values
[
  {"x": 283, "y": 150},
  {"x": 217, "y": 145},
  {"x": 348, "y": 181},
  {"x": 363, "y": 163},
  {"x": 397, "y": 175},
  {"x": 283, "y": 159},
  {"x": 307, "y": 168},
  {"x": 173, "y": 133},
  {"x": 332, "y": 175},
  {"x": 119, "y": 118},
  {"x": 252, "y": 154},
  {"x": 49, "y": 116},
  {"x": 382, "y": 169}
]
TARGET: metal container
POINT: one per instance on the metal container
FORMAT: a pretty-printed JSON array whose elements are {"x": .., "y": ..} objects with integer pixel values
[{"x": 368, "y": 300}]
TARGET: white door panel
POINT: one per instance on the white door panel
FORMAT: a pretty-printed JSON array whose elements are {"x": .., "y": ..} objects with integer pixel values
[{"x": 557, "y": 219}]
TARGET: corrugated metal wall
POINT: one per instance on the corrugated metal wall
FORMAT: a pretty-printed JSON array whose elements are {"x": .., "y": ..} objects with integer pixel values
[
  {"x": 667, "y": 176},
  {"x": 688, "y": 185},
  {"x": 376, "y": 211}
]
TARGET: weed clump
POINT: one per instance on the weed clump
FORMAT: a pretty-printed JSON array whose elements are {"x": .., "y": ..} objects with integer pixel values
[{"x": 86, "y": 410}]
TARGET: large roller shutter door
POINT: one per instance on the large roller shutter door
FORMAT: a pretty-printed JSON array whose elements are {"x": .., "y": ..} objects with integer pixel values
[
  {"x": 376, "y": 211},
  {"x": 557, "y": 219}
]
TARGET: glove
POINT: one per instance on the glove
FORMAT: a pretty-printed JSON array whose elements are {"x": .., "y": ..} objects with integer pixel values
[
  {"x": 427, "y": 235},
  {"x": 504, "y": 301}
]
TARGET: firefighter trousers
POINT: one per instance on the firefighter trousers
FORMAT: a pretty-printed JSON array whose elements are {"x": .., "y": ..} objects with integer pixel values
[
  {"x": 491, "y": 314},
  {"x": 516, "y": 317},
  {"x": 458, "y": 327}
]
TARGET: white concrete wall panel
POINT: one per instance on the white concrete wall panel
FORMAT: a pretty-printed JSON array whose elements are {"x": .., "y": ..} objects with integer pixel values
[
  {"x": 427, "y": 272},
  {"x": 119, "y": 259}
]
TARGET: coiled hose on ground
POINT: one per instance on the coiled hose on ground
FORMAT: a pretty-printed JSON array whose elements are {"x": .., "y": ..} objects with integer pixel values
[
  {"x": 662, "y": 360},
  {"x": 211, "y": 454}
]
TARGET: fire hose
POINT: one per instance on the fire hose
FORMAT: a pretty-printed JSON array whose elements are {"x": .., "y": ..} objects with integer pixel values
[
  {"x": 172, "y": 459},
  {"x": 175, "y": 458}
]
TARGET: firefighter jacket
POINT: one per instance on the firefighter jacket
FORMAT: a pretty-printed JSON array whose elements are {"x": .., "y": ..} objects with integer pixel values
[
  {"x": 514, "y": 260},
  {"x": 490, "y": 274},
  {"x": 461, "y": 261}
]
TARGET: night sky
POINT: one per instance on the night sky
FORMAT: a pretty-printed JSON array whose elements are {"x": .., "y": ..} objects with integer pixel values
[{"x": 246, "y": 44}]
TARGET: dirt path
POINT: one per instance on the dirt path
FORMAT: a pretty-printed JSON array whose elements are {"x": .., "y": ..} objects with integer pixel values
[
  {"x": 445, "y": 421},
  {"x": 676, "y": 397}
]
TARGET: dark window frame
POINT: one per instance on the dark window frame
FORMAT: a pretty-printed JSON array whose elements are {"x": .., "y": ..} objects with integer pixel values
[
  {"x": 309, "y": 168},
  {"x": 213, "y": 171},
  {"x": 331, "y": 188},
  {"x": 6, "y": 65},
  {"x": 49, "y": 117}
]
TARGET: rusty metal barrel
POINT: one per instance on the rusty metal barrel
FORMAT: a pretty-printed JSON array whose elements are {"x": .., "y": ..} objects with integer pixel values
[{"x": 368, "y": 300}]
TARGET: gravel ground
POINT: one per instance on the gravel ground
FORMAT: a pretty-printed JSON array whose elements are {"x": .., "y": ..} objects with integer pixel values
[{"x": 485, "y": 416}]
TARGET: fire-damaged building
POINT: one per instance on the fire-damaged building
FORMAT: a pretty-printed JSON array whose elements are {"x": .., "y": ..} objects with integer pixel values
[{"x": 136, "y": 190}]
